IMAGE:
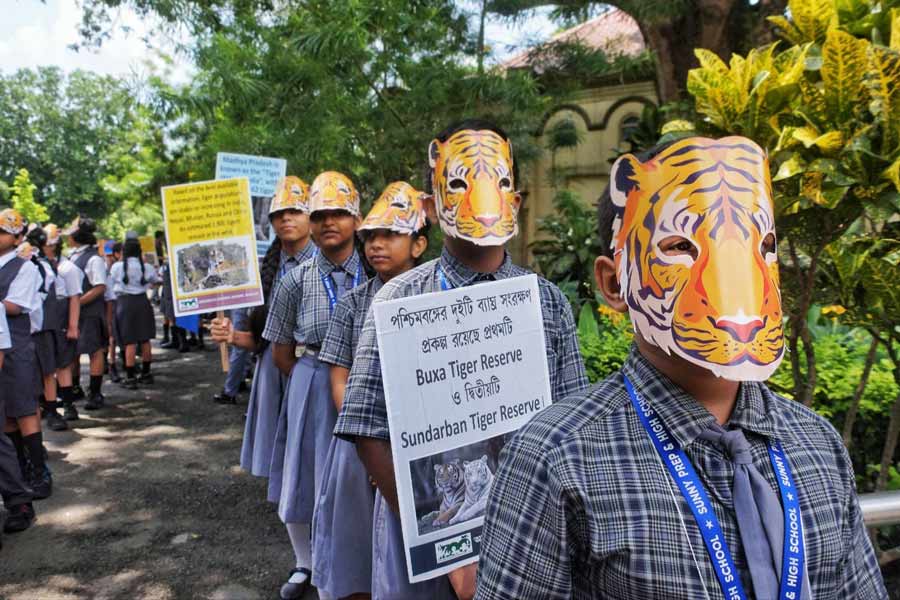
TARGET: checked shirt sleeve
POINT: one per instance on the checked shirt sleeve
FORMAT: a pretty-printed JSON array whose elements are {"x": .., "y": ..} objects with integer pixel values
[
  {"x": 525, "y": 552},
  {"x": 337, "y": 347},
  {"x": 364, "y": 413},
  {"x": 571, "y": 377},
  {"x": 282, "y": 317}
]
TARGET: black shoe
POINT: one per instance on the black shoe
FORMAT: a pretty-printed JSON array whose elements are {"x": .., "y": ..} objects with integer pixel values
[
  {"x": 77, "y": 393},
  {"x": 55, "y": 422},
  {"x": 295, "y": 591},
  {"x": 95, "y": 402},
  {"x": 242, "y": 386},
  {"x": 145, "y": 378},
  {"x": 70, "y": 413},
  {"x": 169, "y": 344},
  {"x": 114, "y": 375},
  {"x": 42, "y": 486},
  {"x": 20, "y": 518},
  {"x": 129, "y": 384},
  {"x": 224, "y": 398}
]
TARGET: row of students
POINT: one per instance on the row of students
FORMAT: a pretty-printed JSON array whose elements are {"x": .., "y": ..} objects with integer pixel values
[{"x": 582, "y": 505}]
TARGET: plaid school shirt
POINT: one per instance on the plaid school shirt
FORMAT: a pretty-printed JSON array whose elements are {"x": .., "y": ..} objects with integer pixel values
[
  {"x": 300, "y": 310},
  {"x": 364, "y": 412},
  {"x": 582, "y": 506},
  {"x": 346, "y": 324}
]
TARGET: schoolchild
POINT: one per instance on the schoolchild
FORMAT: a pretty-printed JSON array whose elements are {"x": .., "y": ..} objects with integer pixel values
[
  {"x": 93, "y": 330},
  {"x": 68, "y": 291},
  {"x": 394, "y": 235},
  {"x": 16, "y": 495},
  {"x": 298, "y": 316},
  {"x": 477, "y": 208},
  {"x": 682, "y": 476},
  {"x": 112, "y": 255},
  {"x": 178, "y": 340},
  {"x": 135, "y": 324},
  {"x": 44, "y": 333},
  {"x": 19, "y": 377},
  {"x": 289, "y": 216}
]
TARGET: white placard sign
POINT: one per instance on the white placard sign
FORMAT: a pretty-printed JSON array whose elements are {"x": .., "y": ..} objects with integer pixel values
[{"x": 462, "y": 370}]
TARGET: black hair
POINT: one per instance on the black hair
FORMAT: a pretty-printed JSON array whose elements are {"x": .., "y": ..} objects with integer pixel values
[
  {"x": 267, "y": 272},
  {"x": 37, "y": 237},
  {"x": 606, "y": 212},
  {"x": 131, "y": 249},
  {"x": 84, "y": 235},
  {"x": 476, "y": 124}
]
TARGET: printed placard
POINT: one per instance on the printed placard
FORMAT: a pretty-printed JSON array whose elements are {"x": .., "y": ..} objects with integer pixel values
[
  {"x": 213, "y": 260},
  {"x": 463, "y": 370},
  {"x": 148, "y": 250},
  {"x": 264, "y": 173}
]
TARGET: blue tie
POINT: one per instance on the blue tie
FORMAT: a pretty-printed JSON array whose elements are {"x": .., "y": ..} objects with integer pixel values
[{"x": 760, "y": 516}]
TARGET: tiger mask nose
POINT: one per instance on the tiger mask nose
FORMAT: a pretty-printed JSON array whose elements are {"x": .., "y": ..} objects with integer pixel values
[
  {"x": 487, "y": 220},
  {"x": 742, "y": 328}
]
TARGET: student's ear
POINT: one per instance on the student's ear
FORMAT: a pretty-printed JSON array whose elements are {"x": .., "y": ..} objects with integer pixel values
[
  {"x": 608, "y": 283},
  {"x": 419, "y": 245},
  {"x": 428, "y": 203}
]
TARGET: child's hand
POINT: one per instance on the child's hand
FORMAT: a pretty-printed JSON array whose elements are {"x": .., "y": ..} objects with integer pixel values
[
  {"x": 222, "y": 330},
  {"x": 72, "y": 333},
  {"x": 463, "y": 581}
]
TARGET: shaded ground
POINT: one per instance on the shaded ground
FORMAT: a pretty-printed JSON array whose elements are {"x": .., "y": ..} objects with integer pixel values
[{"x": 149, "y": 501}]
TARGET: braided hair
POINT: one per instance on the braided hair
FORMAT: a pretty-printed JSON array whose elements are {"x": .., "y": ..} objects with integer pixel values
[
  {"x": 132, "y": 249},
  {"x": 37, "y": 237},
  {"x": 270, "y": 263}
]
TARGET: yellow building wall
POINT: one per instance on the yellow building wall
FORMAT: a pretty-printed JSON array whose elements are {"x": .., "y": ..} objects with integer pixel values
[{"x": 599, "y": 114}]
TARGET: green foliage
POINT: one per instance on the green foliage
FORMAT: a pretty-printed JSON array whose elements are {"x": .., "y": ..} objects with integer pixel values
[
  {"x": 605, "y": 345},
  {"x": 568, "y": 246},
  {"x": 23, "y": 199}
]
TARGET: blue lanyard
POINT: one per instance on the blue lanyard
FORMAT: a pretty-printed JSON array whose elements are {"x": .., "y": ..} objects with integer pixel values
[
  {"x": 445, "y": 285},
  {"x": 682, "y": 472},
  {"x": 328, "y": 282}
]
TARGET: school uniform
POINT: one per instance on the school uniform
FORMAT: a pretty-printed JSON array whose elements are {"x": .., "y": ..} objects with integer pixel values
[
  {"x": 300, "y": 311},
  {"x": 267, "y": 388},
  {"x": 133, "y": 314},
  {"x": 19, "y": 283},
  {"x": 364, "y": 413},
  {"x": 166, "y": 303},
  {"x": 44, "y": 322},
  {"x": 12, "y": 486},
  {"x": 109, "y": 296},
  {"x": 69, "y": 283},
  {"x": 92, "y": 326},
  {"x": 342, "y": 525}
]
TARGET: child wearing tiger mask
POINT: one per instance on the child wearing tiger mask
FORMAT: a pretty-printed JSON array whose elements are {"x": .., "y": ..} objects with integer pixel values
[
  {"x": 682, "y": 476},
  {"x": 471, "y": 182}
]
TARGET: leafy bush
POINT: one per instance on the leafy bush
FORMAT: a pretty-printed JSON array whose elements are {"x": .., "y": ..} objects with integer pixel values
[{"x": 605, "y": 340}]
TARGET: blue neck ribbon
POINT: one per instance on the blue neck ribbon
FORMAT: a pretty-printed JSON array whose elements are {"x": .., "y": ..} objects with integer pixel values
[
  {"x": 682, "y": 472},
  {"x": 330, "y": 289}
]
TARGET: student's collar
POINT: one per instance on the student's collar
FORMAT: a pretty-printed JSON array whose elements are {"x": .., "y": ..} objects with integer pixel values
[
  {"x": 5, "y": 258},
  {"x": 754, "y": 411},
  {"x": 459, "y": 275},
  {"x": 350, "y": 265}
]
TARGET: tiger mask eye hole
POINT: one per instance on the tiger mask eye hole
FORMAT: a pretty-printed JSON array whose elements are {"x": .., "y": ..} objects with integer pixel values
[
  {"x": 676, "y": 245},
  {"x": 768, "y": 245},
  {"x": 457, "y": 184},
  {"x": 505, "y": 184}
]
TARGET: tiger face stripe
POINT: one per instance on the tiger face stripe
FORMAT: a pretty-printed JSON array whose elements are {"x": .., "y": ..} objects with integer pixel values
[
  {"x": 718, "y": 306},
  {"x": 474, "y": 189},
  {"x": 399, "y": 208}
]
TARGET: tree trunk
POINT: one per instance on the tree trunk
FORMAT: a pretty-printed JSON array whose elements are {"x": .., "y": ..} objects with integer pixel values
[
  {"x": 481, "y": 37},
  {"x": 890, "y": 442},
  {"x": 850, "y": 419}
]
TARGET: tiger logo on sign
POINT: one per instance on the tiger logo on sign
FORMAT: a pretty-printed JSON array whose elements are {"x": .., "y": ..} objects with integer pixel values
[
  {"x": 694, "y": 243},
  {"x": 472, "y": 177}
]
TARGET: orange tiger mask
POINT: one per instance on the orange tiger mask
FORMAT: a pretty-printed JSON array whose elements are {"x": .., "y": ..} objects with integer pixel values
[
  {"x": 292, "y": 194},
  {"x": 399, "y": 208},
  {"x": 694, "y": 243},
  {"x": 333, "y": 191},
  {"x": 472, "y": 177}
]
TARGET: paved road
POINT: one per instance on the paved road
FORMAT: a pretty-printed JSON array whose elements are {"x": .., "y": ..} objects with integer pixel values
[{"x": 149, "y": 502}]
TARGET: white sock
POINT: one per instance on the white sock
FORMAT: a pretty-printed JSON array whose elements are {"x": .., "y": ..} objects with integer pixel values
[{"x": 299, "y": 534}]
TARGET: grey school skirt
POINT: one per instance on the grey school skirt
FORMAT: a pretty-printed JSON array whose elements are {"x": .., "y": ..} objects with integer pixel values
[
  {"x": 19, "y": 380},
  {"x": 66, "y": 349},
  {"x": 45, "y": 351},
  {"x": 262, "y": 415},
  {"x": 305, "y": 425},
  {"x": 93, "y": 334},
  {"x": 134, "y": 319}
]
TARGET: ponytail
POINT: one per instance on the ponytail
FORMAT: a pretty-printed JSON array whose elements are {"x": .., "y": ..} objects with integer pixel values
[
  {"x": 269, "y": 269},
  {"x": 42, "y": 270}
]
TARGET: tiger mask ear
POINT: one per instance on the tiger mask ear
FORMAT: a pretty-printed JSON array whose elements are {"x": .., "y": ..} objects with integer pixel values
[
  {"x": 434, "y": 151},
  {"x": 623, "y": 178}
]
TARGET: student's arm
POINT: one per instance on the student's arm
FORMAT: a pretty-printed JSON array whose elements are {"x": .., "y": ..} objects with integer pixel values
[
  {"x": 284, "y": 356},
  {"x": 74, "y": 316},
  {"x": 571, "y": 376},
  {"x": 527, "y": 541},
  {"x": 96, "y": 273},
  {"x": 339, "y": 377},
  {"x": 376, "y": 456},
  {"x": 12, "y": 309},
  {"x": 860, "y": 576},
  {"x": 92, "y": 294}
]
